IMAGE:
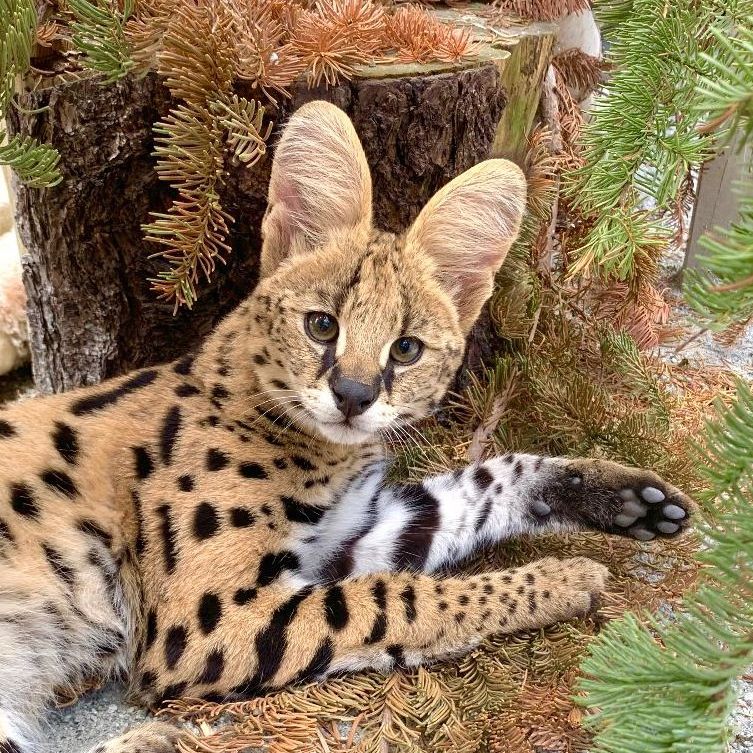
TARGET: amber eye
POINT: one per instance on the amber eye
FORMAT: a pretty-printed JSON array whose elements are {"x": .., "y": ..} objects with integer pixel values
[
  {"x": 406, "y": 350},
  {"x": 321, "y": 327}
]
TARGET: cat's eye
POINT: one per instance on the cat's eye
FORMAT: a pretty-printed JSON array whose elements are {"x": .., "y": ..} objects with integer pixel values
[
  {"x": 406, "y": 350},
  {"x": 321, "y": 326}
]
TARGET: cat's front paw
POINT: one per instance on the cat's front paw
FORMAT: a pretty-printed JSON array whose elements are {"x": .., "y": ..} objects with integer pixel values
[{"x": 620, "y": 500}]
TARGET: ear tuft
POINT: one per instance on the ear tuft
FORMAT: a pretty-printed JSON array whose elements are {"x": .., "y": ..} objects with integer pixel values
[
  {"x": 467, "y": 229},
  {"x": 320, "y": 183}
]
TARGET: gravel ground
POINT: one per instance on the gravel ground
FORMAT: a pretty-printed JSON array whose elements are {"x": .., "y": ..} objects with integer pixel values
[{"x": 97, "y": 717}]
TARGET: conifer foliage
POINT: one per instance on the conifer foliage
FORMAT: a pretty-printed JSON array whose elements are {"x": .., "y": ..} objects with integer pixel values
[{"x": 658, "y": 685}]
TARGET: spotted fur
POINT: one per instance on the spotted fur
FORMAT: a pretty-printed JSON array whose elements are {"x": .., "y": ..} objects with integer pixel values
[{"x": 219, "y": 527}]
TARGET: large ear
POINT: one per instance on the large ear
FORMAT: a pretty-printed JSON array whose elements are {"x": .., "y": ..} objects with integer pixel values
[
  {"x": 320, "y": 183},
  {"x": 467, "y": 229}
]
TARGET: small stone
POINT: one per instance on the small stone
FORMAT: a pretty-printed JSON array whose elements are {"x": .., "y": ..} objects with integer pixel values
[
  {"x": 628, "y": 494},
  {"x": 642, "y": 534},
  {"x": 623, "y": 521},
  {"x": 666, "y": 527},
  {"x": 540, "y": 507},
  {"x": 652, "y": 495},
  {"x": 632, "y": 507},
  {"x": 673, "y": 512}
]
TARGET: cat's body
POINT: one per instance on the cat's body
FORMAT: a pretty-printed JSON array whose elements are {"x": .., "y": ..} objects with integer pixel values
[{"x": 221, "y": 525}]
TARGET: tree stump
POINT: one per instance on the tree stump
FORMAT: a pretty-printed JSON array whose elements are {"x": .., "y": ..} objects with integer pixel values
[{"x": 91, "y": 312}]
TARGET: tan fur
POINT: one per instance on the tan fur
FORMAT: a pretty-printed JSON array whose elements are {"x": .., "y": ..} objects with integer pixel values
[{"x": 161, "y": 542}]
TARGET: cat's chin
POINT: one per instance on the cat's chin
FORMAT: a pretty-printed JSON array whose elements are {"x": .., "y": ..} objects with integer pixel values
[{"x": 342, "y": 433}]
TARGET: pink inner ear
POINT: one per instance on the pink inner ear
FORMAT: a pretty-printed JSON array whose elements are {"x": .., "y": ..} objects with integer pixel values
[{"x": 285, "y": 191}]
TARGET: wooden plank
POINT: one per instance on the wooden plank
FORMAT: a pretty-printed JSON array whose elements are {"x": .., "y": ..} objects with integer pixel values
[{"x": 716, "y": 200}]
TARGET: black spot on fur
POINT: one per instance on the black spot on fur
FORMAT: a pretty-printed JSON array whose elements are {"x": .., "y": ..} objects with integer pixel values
[
  {"x": 23, "y": 502},
  {"x": 482, "y": 478},
  {"x": 93, "y": 403},
  {"x": 92, "y": 528},
  {"x": 280, "y": 463},
  {"x": 5, "y": 532},
  {"x": 216, "y": 459},
  {"x": 140, "y": 543},
  {"x": 408, "y": 597},
  {"x": 147, "y": 681},
  {"x": 6, "y": 429},
  {"x": 219, "y": 393},
  {"x": 176, "y": 641},
  {"x": 517, "y": 471},
  {"x": 169, "y": 434},
  {"x": 210, "y": 612},
  {"x": 206, "y": 521},
  {"x": 144, "y": 464},
  {"x": 169, "y": 539},
  {"x": 378, "y": 630},
  {"x": 252, "y": 470},
  {"x": 303, "y": 463},
  {"x": 240, "y": 517},
  {"x": 336, "y": 608},
  {"x": 484, "y": 514},
  {"x": 183, "y": 366},
  {"x": 272, "y": 642},
  {"x": 299, "y": 512},
  {"x": 273, "y": 564},
  {"x": 398, "y": 657},
  {"x": 186, "y": 390},
  {"x": 186, "y": 483},
  {"x": 213, "y": 669},
  {"x": 173, "y": 691},
  {"x": 259, "y": 360},
  {"x": 243, "y": 595},
  {"x": 151, "y": 629},
  {"x": 65, "y": 440},
  {"x": 415, "y": 541},
  {"x": 59, "y": 481},
  {"x": 319, "y": 663},
  {"x": 59, "y": 566},
  {"x": 379, "y": 592},
  {"x": 266, "y": 509}
]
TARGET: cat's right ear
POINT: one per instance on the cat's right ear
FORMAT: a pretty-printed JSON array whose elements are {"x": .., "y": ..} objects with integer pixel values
[{"x": 320, "y": 184}]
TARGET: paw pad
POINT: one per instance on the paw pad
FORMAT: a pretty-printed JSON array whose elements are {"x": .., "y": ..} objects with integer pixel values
[
  {"x": 540, "y": 507},
  {"x": 652, "y": 495},
  {"x": 642, "y": 515}
]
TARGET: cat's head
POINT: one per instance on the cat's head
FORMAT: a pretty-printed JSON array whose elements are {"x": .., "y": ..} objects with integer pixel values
[{"x": 363, "y": 329}]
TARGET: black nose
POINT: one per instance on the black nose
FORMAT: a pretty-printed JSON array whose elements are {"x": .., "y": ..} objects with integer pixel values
[{"x": 353, "y": 398}]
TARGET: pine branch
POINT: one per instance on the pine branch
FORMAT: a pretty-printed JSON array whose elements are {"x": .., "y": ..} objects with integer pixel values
[
  {"x": 98, "y": 33},
  {"x": 644, "y": 133},
  {"x": 35, "y": 164},
  {"x": 669, "y": 687}
]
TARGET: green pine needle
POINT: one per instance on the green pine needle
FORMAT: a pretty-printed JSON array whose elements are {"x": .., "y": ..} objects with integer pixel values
[
  {"x": 34, "y": 163},
  {"x": 669, "y": 687},
  {"x": 98, "y": 34}
]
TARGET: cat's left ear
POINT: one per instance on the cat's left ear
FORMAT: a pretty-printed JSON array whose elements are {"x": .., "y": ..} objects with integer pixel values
[
  {"x": 467, "y": 229},
  {"x": 320, "y": 184}
]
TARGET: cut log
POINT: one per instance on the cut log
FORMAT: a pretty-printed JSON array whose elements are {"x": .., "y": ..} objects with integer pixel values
[{"x": 92, "y": 314}]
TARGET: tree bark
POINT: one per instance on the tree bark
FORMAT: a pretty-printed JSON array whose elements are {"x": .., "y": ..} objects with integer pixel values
[{"x": 91, "y": 312}]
